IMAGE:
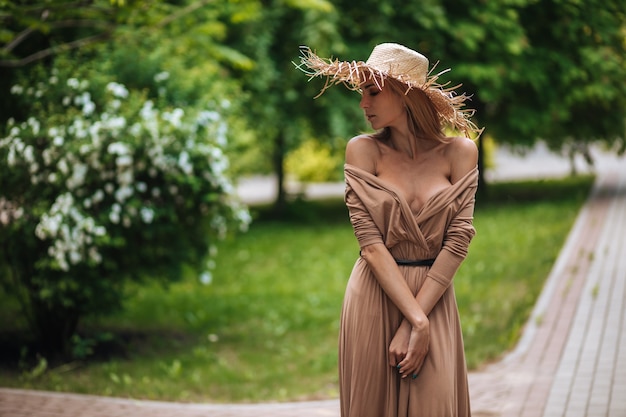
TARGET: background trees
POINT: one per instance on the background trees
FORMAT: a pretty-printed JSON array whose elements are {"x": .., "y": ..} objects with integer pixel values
[
  {"x": 550, "y": 70},
  {"x": 113, "y": 166}
]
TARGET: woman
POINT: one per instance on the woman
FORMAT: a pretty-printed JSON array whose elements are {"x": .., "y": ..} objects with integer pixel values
[{"x": 410, "y": 192}]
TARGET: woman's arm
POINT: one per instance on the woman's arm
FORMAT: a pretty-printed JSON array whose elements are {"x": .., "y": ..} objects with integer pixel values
[
  {"x": 462, "y": 155},
  {"x": 362, "y": 152},
  {"x": 463, "y": 158}
]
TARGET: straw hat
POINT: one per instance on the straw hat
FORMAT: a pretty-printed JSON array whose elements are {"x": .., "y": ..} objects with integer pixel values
[{"x": 391, "y": 60}]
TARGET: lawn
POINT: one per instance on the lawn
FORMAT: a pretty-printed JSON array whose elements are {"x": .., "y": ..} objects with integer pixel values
[{"x": 266, "y": 326}]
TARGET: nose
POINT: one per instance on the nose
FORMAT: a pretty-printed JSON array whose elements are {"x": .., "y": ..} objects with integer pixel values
[{"x": 364, "y": 103}]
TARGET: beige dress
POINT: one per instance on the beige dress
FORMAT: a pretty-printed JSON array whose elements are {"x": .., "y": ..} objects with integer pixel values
[{"x": 442, "y": 229}]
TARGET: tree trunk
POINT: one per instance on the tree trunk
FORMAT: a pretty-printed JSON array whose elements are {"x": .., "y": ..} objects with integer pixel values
[
  {"x": 280, "y": 205},
  {"x": 55, "y": 326}
]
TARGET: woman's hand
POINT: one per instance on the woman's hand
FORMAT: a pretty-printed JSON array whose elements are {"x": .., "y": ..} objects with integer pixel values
[
  {"x": 399, "y": 346},
  {"x": 409, "y": 348}
]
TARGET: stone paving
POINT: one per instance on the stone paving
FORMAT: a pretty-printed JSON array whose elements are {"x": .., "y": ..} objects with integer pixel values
[{"x": 570, "y": 361}]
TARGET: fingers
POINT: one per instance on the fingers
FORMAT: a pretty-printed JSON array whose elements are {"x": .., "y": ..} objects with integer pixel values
[
  {"x": 395, "y": 358},
  {"x": 411, "y": 365}
]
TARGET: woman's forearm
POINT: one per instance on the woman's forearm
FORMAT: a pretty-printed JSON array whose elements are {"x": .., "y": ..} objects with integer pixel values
[{"x": 390, "y": 279}]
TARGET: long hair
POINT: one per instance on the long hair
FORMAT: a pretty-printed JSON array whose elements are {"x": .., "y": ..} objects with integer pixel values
[{"x": 422, "y": 116}]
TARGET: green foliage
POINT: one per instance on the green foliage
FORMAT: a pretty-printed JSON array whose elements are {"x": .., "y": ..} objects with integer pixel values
[
  {"x": 99, "y": 186},
  {"x": 313, "y": 161},
  {"x": 279, "y": 105},
  {"x": 537, "y": 69},
  {"x": 266, "y": 327}
]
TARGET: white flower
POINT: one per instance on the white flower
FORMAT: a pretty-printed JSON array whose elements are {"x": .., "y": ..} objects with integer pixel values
[
  {"x": 58, "y": 141},
  {"x": 63, "y": 167},
  {"x": 17, "y": 89},
  {"x": 118, "y": 148},
  {"x": 184, "y": 163},
  {"x": 118, "y": 90},
  {"x": 206, "y": 116},
  {"x": 206, "y": 278},
  {"x": 73, "y": 83},
  {"x": 125, "y": 177},
  {"x": 124, "y": 161},
  {"x": 97, "y": 197},
  {"x": 147, "y": 111},
  {"x": 123, "y": 193},
  {"x": 135, "y": 129},
  {"x": 78, "y": 176},
  {"x": 161, "y": 76},
  {"x": 28, "y": 154},
  {"x": 147, "y": 214},
  {"x": 34, "y": 125},
  {"x": 75, "y": 257},
  {"x": 114, "y": 217},
  {"x": 141, "y": 186},
  {"x": 115, "y": 123},
  {"x": 88, "y": 108},
  {"x": 33, "y": 168},
  {"x": 220, "y": 136},
  {"x": 174, "y": 117}
]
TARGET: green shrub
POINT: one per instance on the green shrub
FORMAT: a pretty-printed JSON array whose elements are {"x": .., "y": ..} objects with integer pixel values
[
  {"x": 100, "y": 185},
  {"x": 313, "y": 161}
]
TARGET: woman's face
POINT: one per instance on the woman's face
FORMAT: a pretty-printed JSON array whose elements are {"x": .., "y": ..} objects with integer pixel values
[{"x": 382, "y": 108}]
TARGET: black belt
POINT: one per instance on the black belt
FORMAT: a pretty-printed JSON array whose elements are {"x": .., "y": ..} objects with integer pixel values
[
  {"x": 406, "y": 262},
  {"x": 421, "y": 262}
]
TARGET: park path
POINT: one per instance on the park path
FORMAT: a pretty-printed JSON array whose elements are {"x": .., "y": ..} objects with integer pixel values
[{"x": 570, "y": 361}]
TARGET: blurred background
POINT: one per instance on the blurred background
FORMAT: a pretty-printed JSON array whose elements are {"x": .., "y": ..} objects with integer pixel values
[{"x": 170, "y": 190}]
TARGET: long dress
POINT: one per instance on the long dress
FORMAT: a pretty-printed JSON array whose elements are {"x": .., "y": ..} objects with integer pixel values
[{"x": 442, "y": 229}]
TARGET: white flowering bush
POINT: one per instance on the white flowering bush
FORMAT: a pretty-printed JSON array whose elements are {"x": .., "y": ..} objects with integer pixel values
[{"x": 99, "y": 185}]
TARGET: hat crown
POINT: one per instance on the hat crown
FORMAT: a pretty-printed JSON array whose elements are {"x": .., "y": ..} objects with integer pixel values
[{"x": 399, "y": 62}]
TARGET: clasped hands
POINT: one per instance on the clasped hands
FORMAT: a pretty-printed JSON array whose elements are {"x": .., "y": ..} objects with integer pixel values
[{"x": 408, "y": 348}]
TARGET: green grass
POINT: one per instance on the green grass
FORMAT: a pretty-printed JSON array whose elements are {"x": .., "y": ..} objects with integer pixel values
[{"x": 266, "y": 327}]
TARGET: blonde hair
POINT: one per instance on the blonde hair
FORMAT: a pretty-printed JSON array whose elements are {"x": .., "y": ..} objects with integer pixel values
[{"x": 422, "y": 115}]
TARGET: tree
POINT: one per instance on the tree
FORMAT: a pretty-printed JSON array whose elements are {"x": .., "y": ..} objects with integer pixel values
[
  {"x": 579, "y": 48},
  {"x": 536, "y": 69},
  {"x": 112, "y": 167},
  {"x": 281, "y": 108}
]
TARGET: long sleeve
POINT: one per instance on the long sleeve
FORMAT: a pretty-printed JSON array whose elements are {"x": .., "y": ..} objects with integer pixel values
[
  {"x": 455, "y": 244},
  {"x": 364, "y": 227}
]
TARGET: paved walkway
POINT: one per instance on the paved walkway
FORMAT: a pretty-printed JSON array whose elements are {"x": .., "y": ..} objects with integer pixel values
[{"x": 570, "y": 361}]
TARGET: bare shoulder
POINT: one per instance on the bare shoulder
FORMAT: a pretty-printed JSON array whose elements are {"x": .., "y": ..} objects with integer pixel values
[
  {"x": 462, "y": 154},
  {"x": 362, "y": 151}
]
